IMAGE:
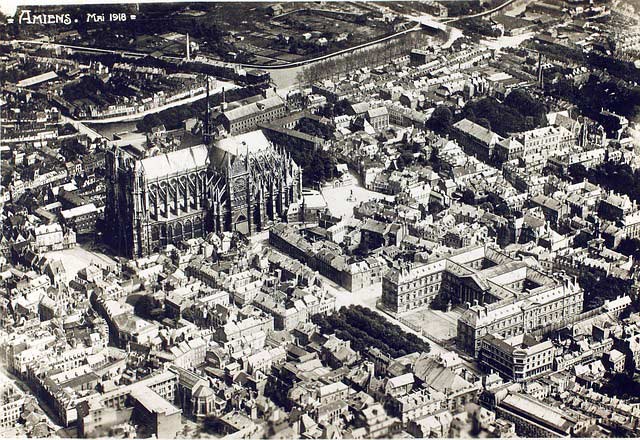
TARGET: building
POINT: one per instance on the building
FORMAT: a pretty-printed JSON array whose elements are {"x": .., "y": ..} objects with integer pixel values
[
  {"x": 81, "y": 219},
  {"x": 148, "y": 400},
  {"x": 13, "y": 401},
  {"x": 378, "y": 118},
  {"x": 518, "y": 358},
  {"x": 549, "y": 305},
  {"x": 247, "y": 117},
  {"x": 476, "y": 139},
  {"x": 418, "y": 57},
  {"x": 407, "y": 289},
  {"x": 239, "y": 183},
  {"x": 52, "y": 238},
  {"x": 534, "y": 418},
  {"x": 509, "y": 297}
]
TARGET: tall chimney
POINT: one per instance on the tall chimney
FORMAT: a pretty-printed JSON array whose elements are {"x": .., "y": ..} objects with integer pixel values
[
  {"x": 223, "y": 105},
  {"x": 188, "y": 49}
]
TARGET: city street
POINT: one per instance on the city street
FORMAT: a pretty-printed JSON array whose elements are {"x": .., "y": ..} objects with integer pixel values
[{"x": 6, "y": 375}]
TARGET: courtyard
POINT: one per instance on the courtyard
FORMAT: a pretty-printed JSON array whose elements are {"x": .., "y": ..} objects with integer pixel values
[{"x": 436, "y": 324}]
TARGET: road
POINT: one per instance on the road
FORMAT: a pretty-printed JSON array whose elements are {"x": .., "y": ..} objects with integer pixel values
[
  {"x": 367, "y": 297},
  {"x": 79, "y": 48},
  {"x": 506, "y": 41},
  {"x": 479, "y": 14}
]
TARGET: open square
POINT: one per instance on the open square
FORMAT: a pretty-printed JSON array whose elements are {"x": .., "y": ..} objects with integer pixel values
[{"x": 436, "y": 323}]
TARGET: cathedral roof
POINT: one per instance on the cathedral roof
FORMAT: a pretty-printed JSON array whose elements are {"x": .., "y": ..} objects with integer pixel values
[
  {"x": 237, "y": 145},
  {"x": 175, "y": 162}
]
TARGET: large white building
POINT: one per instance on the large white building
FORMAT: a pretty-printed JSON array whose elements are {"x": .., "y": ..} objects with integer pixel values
[
  {"x": 518, "y": 358},
  {"x": 502, "y": 295}
]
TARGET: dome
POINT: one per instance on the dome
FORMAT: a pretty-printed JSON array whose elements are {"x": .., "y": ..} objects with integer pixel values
[{"x": 203, "y": 392}]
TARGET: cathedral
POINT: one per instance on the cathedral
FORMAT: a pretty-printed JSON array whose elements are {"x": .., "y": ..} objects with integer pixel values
[{"x": 238, "y": 183}]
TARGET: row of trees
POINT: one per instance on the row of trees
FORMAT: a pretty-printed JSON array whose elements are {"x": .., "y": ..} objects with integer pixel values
[
  {"x": 365, "y": 328},
  {"x": 315, "y": 128},
  {"x": 518, "y": 112},
  {"x": 598, "y": 288},
  {"x": 622, "y": 69},
  {"x": 318, "y": 165},
  {"x": 622, "y": 386},
  {"x": 90, "y": 86},
  {"x": 409, "y": 155},
  {"x": 599, "y": 93},
  {"x": 332, "y": 109},
  {"x": 370, "y": 56},
  {"x": 72, "y": 150},
  {"x": 630, "y": 247}
]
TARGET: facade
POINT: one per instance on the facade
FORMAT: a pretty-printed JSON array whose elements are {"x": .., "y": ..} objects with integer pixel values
[
  {"x": 476, "y": 139},
  {"x": 545, "y": 140},
  {"x": 240, "y": 183},
  {"x": 13, "y": 400},
  {"x": 378, "y": 118},
  {"x": 81, "y": 219},
  {"x": 406, "y": 290},
  {"x": 553, "y": 304},
  {"x": 52, "y": 238}
]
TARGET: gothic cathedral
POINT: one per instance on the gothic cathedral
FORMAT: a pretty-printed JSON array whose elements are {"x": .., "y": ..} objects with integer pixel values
[{"x": 238, "y": 183}]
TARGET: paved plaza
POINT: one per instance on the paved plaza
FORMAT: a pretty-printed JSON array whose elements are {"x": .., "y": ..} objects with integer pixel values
[{"x": 341, "y": 199}]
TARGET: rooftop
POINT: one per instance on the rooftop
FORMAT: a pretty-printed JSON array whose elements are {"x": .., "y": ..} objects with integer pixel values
[{"x": 175, "y": 162}]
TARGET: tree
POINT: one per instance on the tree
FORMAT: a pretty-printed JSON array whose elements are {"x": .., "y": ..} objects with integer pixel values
[
  {"x": 600, "y": 287},
  {"x": 144, "y": 306},
  {"x": 468, "y": 197},
  {"x": 484, "y": 122},
  {"x": 441, "y": 119},
  {"x": 578, "y": 172},
  {"x": 582, "y": 240},
  {"x": 434, "y": 207},
  {"x": 630, "y": 247},
  {"x": 518, "y": 112},
  {"x": 365, "y": 328}
]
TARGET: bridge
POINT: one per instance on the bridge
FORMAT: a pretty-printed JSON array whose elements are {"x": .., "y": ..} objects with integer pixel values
[{"x": 429, "y": 22}]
